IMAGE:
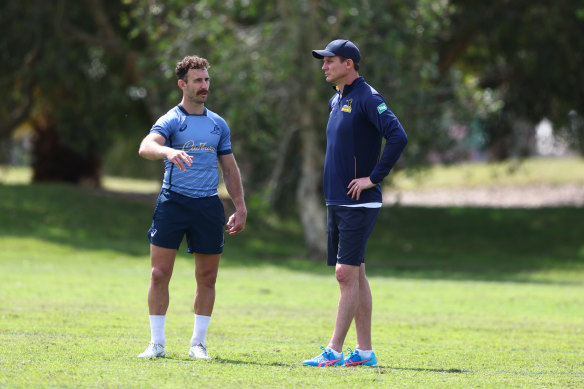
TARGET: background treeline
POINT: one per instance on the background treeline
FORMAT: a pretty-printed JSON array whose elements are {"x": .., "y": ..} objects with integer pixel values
[{"x": 85, "y": 80}]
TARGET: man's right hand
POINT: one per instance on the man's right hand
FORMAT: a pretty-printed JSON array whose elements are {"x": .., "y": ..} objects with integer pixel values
[{"x": 180, "y": 159}]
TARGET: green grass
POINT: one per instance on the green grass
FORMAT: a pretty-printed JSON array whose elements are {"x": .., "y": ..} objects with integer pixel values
[
  {"x": 462, "y": 298},
  {"x": 17, "y": 175},
  {"x": 533, "y": 171}
]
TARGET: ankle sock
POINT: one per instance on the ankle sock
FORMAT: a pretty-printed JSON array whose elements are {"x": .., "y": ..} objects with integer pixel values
[
  {"x": 200, "y": 329},
  {"x": 337, "y": 354},
  {"x": 364, "y": 353}
]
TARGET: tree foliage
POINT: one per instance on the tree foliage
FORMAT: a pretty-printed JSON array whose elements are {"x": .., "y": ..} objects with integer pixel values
[
  {"x": 90, "y": 77},
  {"x": 72, "y": 85},
  {"x": 531, "y": 53}
]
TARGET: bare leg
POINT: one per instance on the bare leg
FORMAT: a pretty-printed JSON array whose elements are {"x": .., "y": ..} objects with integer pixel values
[
  {"x": 206, "y": 268},
  {"x": 348, "y": 278},
  {"x": 162, "y": 260},
  {"x": 363, "y": 314}
]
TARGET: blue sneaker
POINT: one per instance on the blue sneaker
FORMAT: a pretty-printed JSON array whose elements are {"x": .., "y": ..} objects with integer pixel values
[
  {"x": 355, "y": 359},
  {"x": 327, "y": 358}
]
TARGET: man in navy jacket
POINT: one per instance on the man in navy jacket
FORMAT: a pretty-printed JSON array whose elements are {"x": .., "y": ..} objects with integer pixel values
[{"x": 353, "y": 170}]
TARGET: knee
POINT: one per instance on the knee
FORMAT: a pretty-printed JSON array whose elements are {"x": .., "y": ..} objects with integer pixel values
[
  {"x": 206, "y": 278},
  {"x": 160, "y": 275},
  {"x": 345, "y": 276}
]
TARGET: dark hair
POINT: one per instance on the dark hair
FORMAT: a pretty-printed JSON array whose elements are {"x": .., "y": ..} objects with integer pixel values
[
  {"x": 190, "y": 62},
  {"x": 355, "y": 64}
]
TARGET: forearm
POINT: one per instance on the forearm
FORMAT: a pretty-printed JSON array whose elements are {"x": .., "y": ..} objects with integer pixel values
[
  {"x": 152, "y": 150},
  {"x": 232, "y": 180},
  {"x": 394, "y": 146}
]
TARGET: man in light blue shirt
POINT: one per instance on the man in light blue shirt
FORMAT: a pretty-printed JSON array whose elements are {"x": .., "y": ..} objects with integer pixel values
[
  {"x": 191, "y": 139},
  {"x": 203, "y": 138}
]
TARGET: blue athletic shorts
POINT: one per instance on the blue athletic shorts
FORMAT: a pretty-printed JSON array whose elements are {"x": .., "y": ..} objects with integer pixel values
[
  {"x": 348, "y": 230},
  {"x": 202, "y": 220}
]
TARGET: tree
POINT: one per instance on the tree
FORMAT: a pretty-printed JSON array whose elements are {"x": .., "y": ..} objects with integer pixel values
[
  {"x": 72, "y": 86},
  {"x": 265, "y": 81},
  {"x": 103, "y": 74},
  {"x": 528, "y": 51},
  {"x": 262, "y": 70}
]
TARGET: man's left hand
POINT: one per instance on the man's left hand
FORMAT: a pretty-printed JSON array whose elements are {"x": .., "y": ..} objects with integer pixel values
[
  {"x": 236, "y": 222},
  {"x": 358, "y": 185}
]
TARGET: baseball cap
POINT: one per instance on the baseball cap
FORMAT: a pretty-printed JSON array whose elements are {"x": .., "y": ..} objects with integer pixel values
[{"x": 340, "y": 47}]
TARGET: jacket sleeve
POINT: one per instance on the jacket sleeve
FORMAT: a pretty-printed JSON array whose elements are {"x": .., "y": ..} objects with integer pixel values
[{"x": 391, "y": 129}]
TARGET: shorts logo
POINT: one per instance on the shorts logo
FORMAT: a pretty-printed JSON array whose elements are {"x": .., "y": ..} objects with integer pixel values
[
  {"x": 153, "y": 232},
  {"x": 381, "y": 108},
  {"x": 347, "y": 106}
]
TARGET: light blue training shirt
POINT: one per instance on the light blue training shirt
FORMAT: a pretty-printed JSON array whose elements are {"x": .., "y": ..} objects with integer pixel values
[{"x": 204, "y": 137}]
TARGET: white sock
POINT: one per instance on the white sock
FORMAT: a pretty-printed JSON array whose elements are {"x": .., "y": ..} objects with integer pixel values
[
  {"x": 157, "y": 329},
  {"x": 364, "y": 353},
  {"x": 200, "y": 329},
  {"x": 337, "y": 354}
]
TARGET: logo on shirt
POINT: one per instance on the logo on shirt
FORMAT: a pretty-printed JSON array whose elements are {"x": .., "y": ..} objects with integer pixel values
[
  {"x": 191, "y": 146},
  {"x": 184, "y": 127},
  {"x": 381, "y": 108},
  {"x": 347, "y": 106},
  {"x": 216, "y": 130}
]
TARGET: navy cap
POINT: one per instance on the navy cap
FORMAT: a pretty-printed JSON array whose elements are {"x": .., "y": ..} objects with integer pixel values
[{"x": 341, "y": 48}]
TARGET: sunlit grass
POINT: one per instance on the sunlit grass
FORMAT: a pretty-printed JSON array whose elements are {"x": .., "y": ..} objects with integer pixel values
[
  {"x": 12, "y": 175},
  {"x": 15, "y": 175},
  {"x": 533, "y": 171},
  {"x": 462, "y": 298},
  {"x": 78, "y": 318},
  {"x": 124, "y": 184}
]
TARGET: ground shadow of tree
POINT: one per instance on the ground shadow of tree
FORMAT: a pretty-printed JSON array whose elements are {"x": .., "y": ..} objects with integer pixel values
[{"x": 413, "y": 242}]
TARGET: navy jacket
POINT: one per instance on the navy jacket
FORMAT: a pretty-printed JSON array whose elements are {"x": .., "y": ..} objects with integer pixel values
[{"x": 358, "y": 121}]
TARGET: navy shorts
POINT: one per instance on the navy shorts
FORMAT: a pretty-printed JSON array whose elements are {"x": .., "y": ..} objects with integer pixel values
[
  {"x": 348, "y": 230},
  {"x": 202, "y": 220}
]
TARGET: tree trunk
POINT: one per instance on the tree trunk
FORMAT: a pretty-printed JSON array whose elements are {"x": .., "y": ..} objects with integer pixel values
[
  {"x": 309, "y": 196},
  {"x": 55, "y": 161}
]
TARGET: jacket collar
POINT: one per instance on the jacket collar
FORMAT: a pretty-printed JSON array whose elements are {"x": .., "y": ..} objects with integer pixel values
[{"x": 348, "y": 88}]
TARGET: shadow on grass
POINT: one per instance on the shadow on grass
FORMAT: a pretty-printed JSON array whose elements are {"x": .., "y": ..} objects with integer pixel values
[
  {"x": 456, "y": 371},
  {"x": 444, "y": 243},
  {"x": 380, "y": 369},
  {"x": 239, "y": 362},
  {"x": 78, "y": 217},
  {"x": 412, "y": 242},
  {"x": 181, "y": 360}
]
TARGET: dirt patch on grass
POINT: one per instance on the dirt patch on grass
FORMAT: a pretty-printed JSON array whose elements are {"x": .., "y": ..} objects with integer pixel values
[{"x": 535, "y": 196}]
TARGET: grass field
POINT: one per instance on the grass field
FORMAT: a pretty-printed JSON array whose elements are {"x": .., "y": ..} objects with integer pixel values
[
  {"x": 532, "y": 171},
  {"x": 462, "y": 298}
]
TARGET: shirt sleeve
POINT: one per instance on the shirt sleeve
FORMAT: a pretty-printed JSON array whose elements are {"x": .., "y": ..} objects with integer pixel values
[
  {"x": 166, "y": 125},
  {"x": 224, "y": 146},
  {"x": 391, "y": 129}
]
